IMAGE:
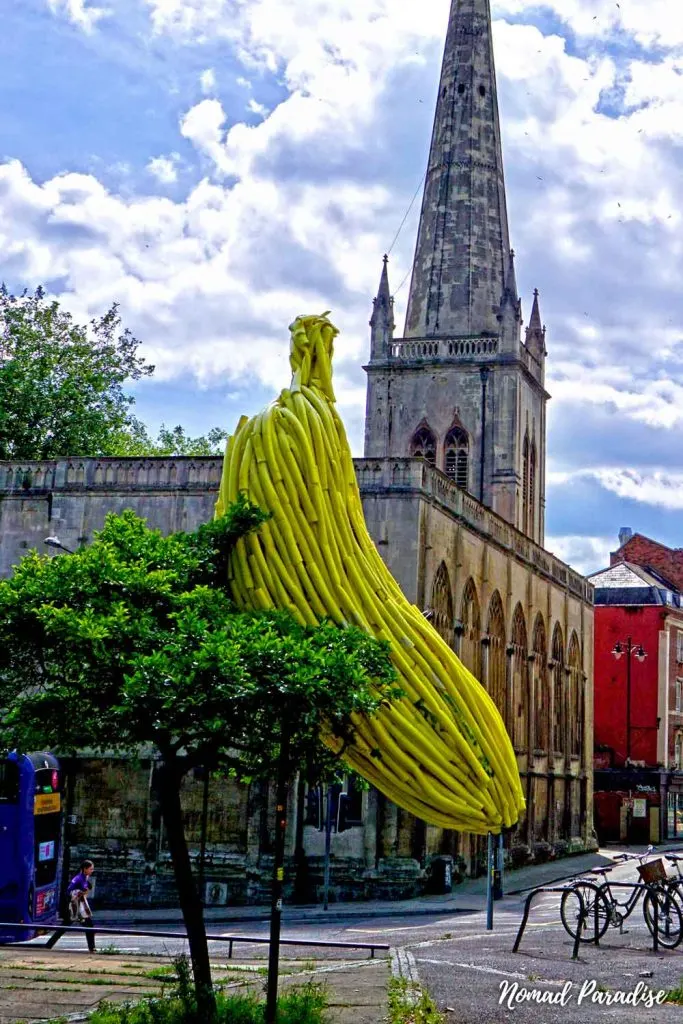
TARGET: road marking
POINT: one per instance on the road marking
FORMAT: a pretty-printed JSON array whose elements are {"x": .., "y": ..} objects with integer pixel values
[
  {"x": 472, "y": 967},
  {"x": 403, "y": 928}
]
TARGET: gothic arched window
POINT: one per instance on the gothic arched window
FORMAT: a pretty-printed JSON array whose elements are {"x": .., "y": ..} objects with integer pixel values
[
  {"x": 559, "y": 710},
  {"x": 496, "y": 634},
  {"x": 457, "y": 448},
  {"x": 520, "y": 681},
  {"x": 525, "y": 482},
  {"x": 423, "y": 444},
  {"x": 532, "y": 490},
  {"x": 576, "y": 710},
  {"x": 541, "y": 690},
  {"x": 470, "y": 647},
  {"x": 442, "y": 604}
]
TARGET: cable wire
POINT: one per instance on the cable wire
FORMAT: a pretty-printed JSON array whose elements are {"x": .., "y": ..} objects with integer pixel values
[{"x": 405, "y": 217}]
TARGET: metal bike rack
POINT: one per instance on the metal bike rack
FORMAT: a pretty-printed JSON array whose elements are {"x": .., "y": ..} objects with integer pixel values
[
  {"x": 230, "y": 940},
  {"x": 553, "y": 888}
]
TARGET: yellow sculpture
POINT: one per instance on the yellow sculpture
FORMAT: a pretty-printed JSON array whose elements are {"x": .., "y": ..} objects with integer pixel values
[{"x": 445, "y": 754}]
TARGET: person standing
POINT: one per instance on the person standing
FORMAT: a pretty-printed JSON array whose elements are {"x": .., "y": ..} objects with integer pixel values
[{"x": 79, "y": 907}]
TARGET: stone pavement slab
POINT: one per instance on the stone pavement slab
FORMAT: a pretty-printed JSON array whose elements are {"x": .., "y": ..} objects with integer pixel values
[{"x": 41, "y": 985}]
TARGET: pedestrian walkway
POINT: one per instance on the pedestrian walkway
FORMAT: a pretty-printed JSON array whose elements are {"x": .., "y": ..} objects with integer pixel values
[
  {"x": 43, "y": 985},
  {"x": 468, "y": 897}
]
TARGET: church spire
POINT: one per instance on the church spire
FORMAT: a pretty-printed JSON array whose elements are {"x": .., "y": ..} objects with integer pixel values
[
  {"x": 463, "y": 248},
  {"x": 382, "y": 320}
]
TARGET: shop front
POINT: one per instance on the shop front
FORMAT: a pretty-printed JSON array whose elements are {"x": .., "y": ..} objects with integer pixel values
[{"x": 628, "y": 806}]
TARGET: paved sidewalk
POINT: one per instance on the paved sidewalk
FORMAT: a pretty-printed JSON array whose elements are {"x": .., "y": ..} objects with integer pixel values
[
  {"x": 42, "y": 985},
  {"x": 467, "y": 898}
]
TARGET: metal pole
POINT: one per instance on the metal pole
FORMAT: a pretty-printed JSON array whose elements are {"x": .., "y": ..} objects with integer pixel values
[
  {"x": 202, "y": 845},
  {"x": 500, "y": 861},
  {"x": 278, "y": 880},
  {"x": 328, "y": 845},
  {"x": 629, "y": 648},
  {"x": 489, "y": 882}
]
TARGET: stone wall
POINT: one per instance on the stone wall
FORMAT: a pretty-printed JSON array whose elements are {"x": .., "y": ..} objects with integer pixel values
[{"x": 428, "y": 532}]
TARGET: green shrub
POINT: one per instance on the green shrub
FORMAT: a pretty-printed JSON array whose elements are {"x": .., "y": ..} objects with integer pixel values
[{"x": 305, "y": 1004}]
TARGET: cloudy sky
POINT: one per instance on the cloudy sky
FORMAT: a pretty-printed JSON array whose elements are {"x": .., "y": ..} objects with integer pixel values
[{"x": 218, "y": 166}]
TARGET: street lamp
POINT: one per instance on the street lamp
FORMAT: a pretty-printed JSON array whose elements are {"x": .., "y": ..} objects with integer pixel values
[
  {"x": 55, "y": 542},
  {"x": 628, "y": 648}
]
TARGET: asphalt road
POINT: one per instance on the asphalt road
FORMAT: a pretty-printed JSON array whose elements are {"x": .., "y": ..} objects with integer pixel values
[{"x": 474, "y": 974}]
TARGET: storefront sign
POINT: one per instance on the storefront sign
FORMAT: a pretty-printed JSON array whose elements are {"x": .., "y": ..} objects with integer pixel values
[{"x": 640, "y": 808}]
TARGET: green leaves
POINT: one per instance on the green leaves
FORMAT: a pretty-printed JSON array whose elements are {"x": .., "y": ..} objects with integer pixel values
[
  {"x": 134, "y": 640},
  {"x": 62, "y": 387}
]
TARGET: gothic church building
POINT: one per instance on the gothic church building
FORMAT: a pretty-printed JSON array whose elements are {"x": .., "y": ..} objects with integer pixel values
[
  {"x": 453, "y": 478},
  {"x": 453, "y": 487}
]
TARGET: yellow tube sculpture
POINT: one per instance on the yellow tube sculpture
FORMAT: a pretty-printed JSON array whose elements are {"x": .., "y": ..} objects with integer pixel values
[{"x": 445, "y": 754}]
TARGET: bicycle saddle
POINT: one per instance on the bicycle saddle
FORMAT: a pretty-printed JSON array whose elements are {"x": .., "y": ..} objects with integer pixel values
[
  {"x": 599, "y": 871},
  {"x": 673, "y": 857}
]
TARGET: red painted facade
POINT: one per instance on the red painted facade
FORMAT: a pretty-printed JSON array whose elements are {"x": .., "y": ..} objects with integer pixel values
[{"x": 612, "y": 625}]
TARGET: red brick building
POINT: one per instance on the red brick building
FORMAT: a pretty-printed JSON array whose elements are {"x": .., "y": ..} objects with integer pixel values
[{"x": 639, "y": 692}]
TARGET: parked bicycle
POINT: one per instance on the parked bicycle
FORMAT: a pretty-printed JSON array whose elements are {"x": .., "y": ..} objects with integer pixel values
[{"x": 662, "y": 902}]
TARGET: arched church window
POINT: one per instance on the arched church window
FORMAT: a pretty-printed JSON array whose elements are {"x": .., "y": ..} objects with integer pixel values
[
  {"x": 532, "y": 489},
  {"x": 541, "y": 688},
  {"x": 457, "y": 456},
  {"x": 496, "y": 634},
  {"x": 423, "y": 444},
  {"x": 520, "y": 681},
  {"x": 470, "y": 616},
  {"x": 525, "y": 482},
  {"x": 442, "y": 604},
  {"x": 559, "y": 707},
  {"x": 575, "y": 697}
]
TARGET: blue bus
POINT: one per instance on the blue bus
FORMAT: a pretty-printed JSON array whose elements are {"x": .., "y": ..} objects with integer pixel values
[{"x": 30, "y": 831}]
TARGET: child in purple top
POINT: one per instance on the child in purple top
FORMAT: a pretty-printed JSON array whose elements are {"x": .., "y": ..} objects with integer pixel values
[{"x": 77, "y": 891}]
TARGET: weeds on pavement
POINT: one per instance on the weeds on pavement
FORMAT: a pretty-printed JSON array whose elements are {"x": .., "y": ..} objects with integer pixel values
[
  {"x": 411, "y": 1005},
  {"x": 303, "y": 1005}
]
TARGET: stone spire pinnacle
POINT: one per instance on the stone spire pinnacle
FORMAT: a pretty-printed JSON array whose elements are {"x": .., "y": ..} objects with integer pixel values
[
  {"x": 463, "y": 248},
  {"x": 535, "y": 332},
  {"x": 382, "y": 320}
]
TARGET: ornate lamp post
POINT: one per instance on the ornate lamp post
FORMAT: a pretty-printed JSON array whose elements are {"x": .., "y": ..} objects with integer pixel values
[{"x": 628, "y": 648}]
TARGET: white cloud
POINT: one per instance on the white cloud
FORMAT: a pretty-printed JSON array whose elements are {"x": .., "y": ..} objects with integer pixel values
[
  {"x": 293, "y": 212},
  {"x": 80, "y": 12},
  {"x": 257, "y": 108},
  {"x": 164, "y": 168},
  {"x": 585, "y": 554},
  {"x": 207, "y": 81}
]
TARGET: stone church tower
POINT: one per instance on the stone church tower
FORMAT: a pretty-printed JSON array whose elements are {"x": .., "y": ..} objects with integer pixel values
[{"x": 463, "y": 387}]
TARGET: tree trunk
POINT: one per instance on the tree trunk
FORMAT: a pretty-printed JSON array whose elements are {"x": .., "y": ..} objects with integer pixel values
[{"x": 193, "y": 914}]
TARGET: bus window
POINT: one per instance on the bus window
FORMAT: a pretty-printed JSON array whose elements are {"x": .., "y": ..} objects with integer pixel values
[
  {"x": 46, "y": 842},
  {"x": 9, "y": 782}
]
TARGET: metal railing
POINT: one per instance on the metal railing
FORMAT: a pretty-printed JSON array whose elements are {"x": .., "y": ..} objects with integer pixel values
[{"x": 230, "y": 940}]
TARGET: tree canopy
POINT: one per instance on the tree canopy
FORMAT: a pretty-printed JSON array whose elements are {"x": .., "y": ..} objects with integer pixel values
[
  {"x": 134, "y": 641},
  {"x": 137, "y": 634},
  {"x": 63, "y": 387}
]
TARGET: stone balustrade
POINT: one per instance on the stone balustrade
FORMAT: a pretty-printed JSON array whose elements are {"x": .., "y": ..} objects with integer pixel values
[
  {"x": 202, "y": 475},
  {"x": 443, "y": 348},
  {"x": 418, "y": 477}
]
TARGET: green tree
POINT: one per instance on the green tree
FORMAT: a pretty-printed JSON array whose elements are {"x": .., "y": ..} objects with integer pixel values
[
  {"x": 134, "y": 641},
  {"x": 135, "y": 441},
  {"x": 62, "y": 387}
]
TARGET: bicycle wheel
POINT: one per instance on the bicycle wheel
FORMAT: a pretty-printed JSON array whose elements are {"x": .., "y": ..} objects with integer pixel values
[
  {"x": 669, "y": 916},
  {"x": 570, "y": 912}
]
